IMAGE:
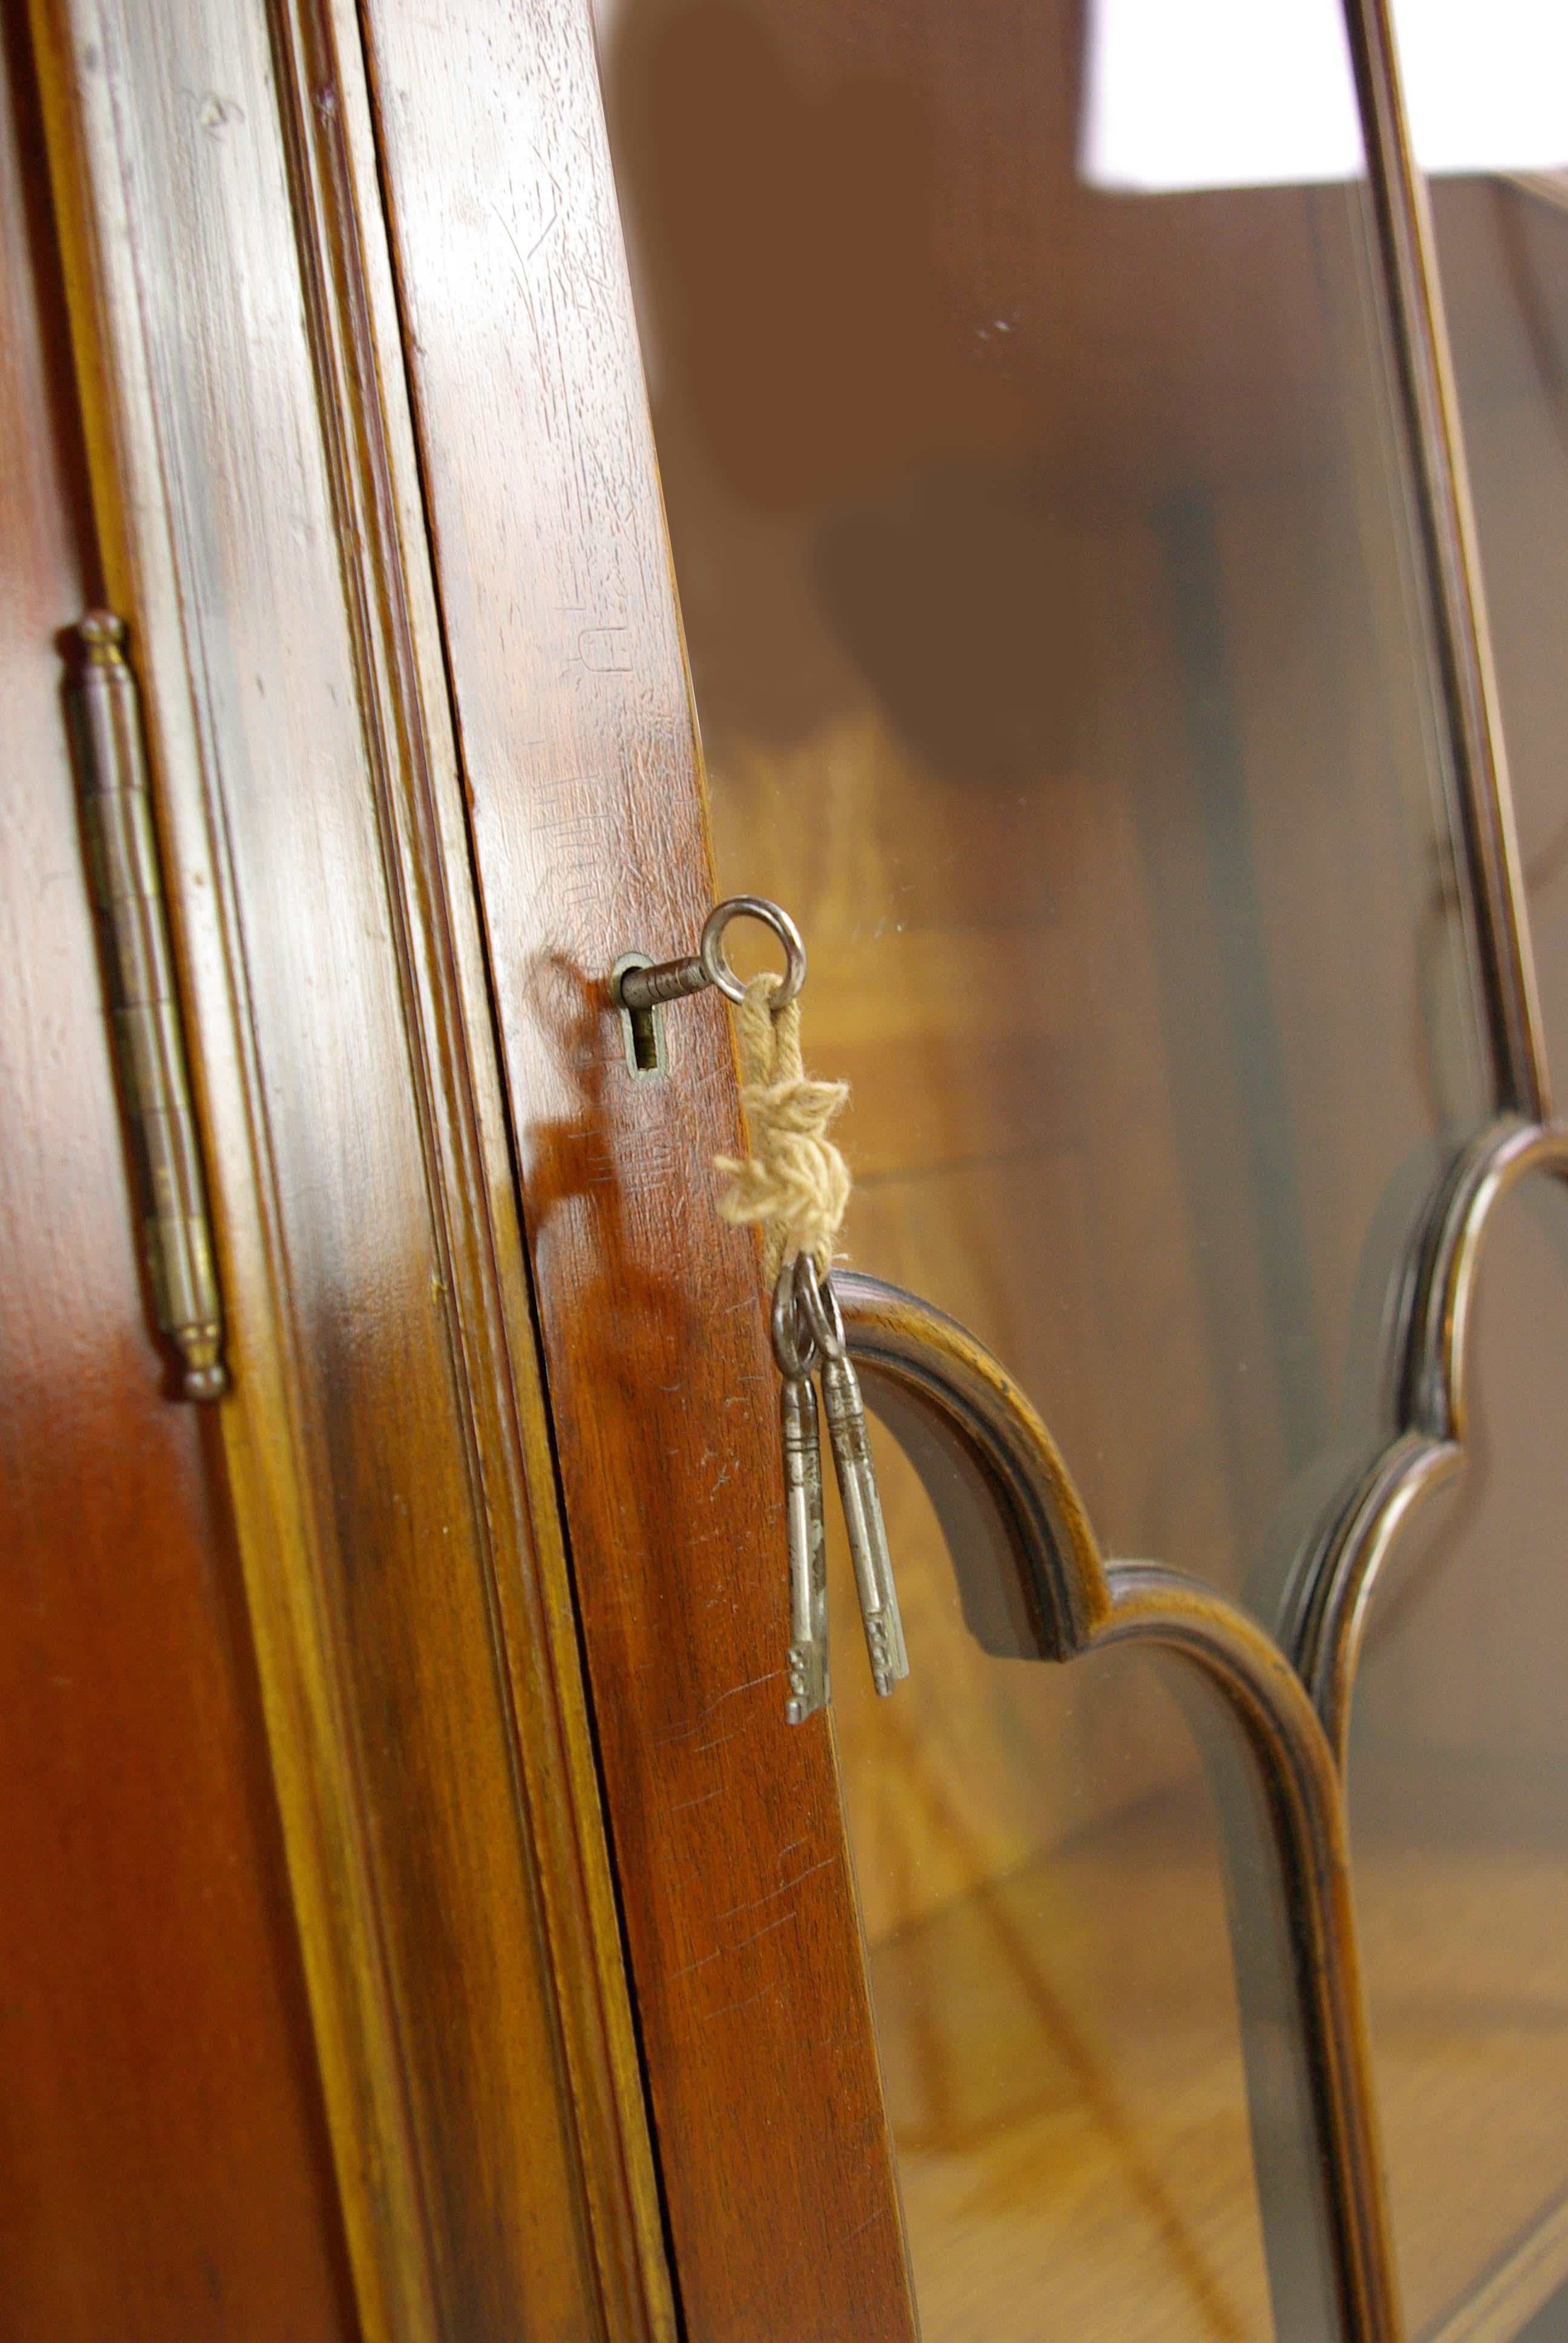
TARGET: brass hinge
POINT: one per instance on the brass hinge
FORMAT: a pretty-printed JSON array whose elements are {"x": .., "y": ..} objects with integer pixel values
[{"x": 139, "y": 969}]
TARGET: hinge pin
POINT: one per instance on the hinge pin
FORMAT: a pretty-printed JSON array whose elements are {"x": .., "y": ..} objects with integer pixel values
[{"x": 138, "y": 964}]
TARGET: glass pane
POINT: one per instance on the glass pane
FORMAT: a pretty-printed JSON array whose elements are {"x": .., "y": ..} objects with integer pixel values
[
  {"x": 1504, "y": 249},
  {"x": 1046, "y": 1917},
  {"x": 1048, "y": 577},
  {"x": 1059, "y": 641},
  {"x": 1549, "y": 2324},
  {"x": 1460, "y": 1773},
  {"x": 1459, "y": 1784}
]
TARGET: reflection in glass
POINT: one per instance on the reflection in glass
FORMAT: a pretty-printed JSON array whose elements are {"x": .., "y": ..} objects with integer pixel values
[
  {"x": 1458, "y": 1793},
  {"x": 1550, "y": 2325},
  {"x": 1220, "y": 93},
  {"x": 1057, "y": 630},
  {"x": 1460, "y": 1763},
  {"x": 1046, "y": 1917},
  {"x": 1503, "y": 246},
  {"x": 1057, "y": 640}
]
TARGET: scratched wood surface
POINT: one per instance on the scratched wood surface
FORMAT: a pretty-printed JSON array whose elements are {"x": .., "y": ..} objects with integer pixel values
[
  {"x": 163, "y": 2161},
  {"x": 384, "y": 1443},
  {"x": 577, "y": 743}
]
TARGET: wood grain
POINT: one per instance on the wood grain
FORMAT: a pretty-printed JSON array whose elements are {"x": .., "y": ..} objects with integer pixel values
[
  {"x": 384, "y": 1438},
  {"x": 587, "y": 823},
  {"x": 164, "y": 2167}
]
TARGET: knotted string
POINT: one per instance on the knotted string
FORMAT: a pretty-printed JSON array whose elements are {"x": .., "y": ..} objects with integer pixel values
[{"x": 794, "y": 1184}]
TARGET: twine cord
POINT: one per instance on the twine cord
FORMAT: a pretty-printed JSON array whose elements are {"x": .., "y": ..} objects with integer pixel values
[{"x": 795, "y": 1184}]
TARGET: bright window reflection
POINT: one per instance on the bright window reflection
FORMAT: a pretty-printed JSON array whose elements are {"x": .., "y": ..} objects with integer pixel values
[{"x": 1232, "y": 93}]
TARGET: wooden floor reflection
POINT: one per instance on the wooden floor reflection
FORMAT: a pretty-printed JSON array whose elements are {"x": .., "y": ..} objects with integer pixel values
[
  {"x": 1063, "y": 2068},
  {"x": 1023, "y": 978},
  {"x": 1463, "y": 1948},
  {"x": 1062, "y": 2059}
]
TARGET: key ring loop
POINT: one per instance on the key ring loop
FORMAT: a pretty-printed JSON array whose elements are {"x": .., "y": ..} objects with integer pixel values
[
  {"x": 717, "y": 968},
  {"x": 793, "y": 1360},
  {"x": 820, "y": 1305}
]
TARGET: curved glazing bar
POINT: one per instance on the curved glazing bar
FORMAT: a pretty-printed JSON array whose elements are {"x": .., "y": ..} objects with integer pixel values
[
  {"x": 1456, "y": 1770},
  {"x": 1427, "y": 1624},
  {"x": 1034, "y": 1583},
  {"x": 1082, "y": 614},
  {"x": 1340, "y": 1587},
  {"x": 1323, "y": 1619},
  {"x": 1050, "y": 561}
]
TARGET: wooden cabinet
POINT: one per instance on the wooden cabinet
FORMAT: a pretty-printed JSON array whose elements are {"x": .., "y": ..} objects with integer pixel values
[
  {"x": 428, "y": 1925},
  {"x": 163, "y": 2161}
]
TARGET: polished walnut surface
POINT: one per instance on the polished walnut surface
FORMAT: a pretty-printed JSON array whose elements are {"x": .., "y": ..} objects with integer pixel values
[
  {"x": 164, "y": 2163},
  {"x": 383, "y": 1441},
  {"x": 573, "y": 721}
]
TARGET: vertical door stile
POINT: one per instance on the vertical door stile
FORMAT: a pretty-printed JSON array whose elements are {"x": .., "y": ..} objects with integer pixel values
[
  {"x": 511, "y": 1458},
  {"x": 384, "y": 1439},
  {"x": 589, "y": 838},
  {"x": 324, "y": 1825},
  {"x": 324, "y": 1828}
]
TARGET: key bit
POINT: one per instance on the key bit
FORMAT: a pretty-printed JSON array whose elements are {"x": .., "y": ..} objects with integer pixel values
[
  {"x": 796, "y": 1354},
  {"x": 809, "y": 1686},
  {"x": 857, "y": 1477}
]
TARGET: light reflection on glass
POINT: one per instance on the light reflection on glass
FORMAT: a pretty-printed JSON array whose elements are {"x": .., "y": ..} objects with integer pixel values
[
  {"x": 1055, "y": 626},
  {"x": 1226, "y": 94}
]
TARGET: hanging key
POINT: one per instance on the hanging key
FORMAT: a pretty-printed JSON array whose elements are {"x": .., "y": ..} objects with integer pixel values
[
  {"x": 796, "y": 1354},
  {"x": 857, "y": 1477},
  {"x": 795, "y": 1185}
]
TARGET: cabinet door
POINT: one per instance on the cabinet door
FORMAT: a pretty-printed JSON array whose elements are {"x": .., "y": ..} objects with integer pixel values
[
  {"x": 1067, "y": 493},
  {"x": 382, "y": 1449},
  {"x": 1076, "y": 560},
  {"x": 164, "y": 2168},
  {"x": 1077, "y": 564},
  {"x": 589, "y": 836}
]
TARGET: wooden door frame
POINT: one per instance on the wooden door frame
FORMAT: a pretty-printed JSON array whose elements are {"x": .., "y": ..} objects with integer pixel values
[
  {"x": 588, "y": 821},
  {"x": 258, "y": 506}
]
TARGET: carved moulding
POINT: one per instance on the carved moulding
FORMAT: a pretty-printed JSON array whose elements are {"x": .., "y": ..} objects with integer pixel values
[
  {"x": 1328, "y": 1624},
  {"x": 1034, "y": 1585}
]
